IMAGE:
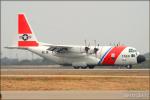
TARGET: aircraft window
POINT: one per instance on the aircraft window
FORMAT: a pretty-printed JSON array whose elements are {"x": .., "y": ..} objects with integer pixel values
[
  {"x": 131, "y": 50},
  {"x": 42, "y": 51},
  {"x": 132, "y": 55},
  {"x": 134, "y": 50}
]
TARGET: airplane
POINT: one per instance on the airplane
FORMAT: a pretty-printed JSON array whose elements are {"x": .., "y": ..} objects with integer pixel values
[{"x": 77, "y": 56}]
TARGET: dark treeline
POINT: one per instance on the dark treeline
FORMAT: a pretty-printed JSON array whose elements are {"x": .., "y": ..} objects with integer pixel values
[{"x": 38, "y": 61}]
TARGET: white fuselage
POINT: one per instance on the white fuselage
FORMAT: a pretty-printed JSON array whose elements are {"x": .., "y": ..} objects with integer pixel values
[{"x": 79, "y": 57}]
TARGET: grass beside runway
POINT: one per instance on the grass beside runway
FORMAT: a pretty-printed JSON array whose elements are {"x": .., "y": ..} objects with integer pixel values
[
  {"x": 51, "y": 79},
  {"x": 74, "y": 83}
]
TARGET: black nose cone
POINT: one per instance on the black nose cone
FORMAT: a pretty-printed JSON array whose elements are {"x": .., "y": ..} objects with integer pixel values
[{"x": 140, "y": 59}]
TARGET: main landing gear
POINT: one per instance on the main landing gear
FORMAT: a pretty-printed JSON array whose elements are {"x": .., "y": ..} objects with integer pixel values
[{"x": 84, "y": 67}]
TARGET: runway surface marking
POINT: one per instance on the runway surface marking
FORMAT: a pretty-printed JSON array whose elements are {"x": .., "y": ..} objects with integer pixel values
[
  {"x": 75, "y": 76},
  {"x": 81, "y": 69}
]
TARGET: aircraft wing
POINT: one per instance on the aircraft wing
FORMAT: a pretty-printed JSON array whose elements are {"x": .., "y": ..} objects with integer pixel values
[
  {"x": 67, "y": 50},
  {"x": 59, "y": 48}
]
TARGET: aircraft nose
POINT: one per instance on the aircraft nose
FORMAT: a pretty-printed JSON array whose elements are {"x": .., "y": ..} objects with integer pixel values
[{"x": 140, "y": 58}]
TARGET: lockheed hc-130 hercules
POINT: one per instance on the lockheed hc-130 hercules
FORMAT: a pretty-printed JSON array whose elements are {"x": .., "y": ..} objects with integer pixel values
[{"x": 77, "y": 56}]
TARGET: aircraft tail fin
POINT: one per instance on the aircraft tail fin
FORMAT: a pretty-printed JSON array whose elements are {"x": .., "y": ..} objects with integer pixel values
[{"x": 25, "y": 34}]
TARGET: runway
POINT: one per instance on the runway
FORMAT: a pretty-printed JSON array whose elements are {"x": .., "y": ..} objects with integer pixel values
[
  {"x": 56, "y": 78},
  {"x": 55, "y": 70},
  {"x": 75, "y": 95},
  {"x": 62, "y": 67},
  {"x": 71, "y": 76}
]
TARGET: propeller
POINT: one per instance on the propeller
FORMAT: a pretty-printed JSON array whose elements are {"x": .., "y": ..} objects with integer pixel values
[
  {"x": 95, "y": 48},
  {"x": 87, "y": 47},
  {"x": 118, "y": 44}
]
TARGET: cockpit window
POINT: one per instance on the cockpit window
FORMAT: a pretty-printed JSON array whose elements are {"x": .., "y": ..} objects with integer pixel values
[{"x": 132, "y": 50}]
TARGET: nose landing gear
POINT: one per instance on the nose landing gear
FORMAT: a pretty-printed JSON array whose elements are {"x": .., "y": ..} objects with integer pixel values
[
  {"x": 128, "y": 66},
  {"x": 91, "y": 66}
]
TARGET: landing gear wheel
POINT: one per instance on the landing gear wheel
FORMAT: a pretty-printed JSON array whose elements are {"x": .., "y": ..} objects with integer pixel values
[
  {"x": 83, "y": 67},
  {"x": 91, "y": 67},
  {"x": 76, "y": 67},
  {"x": 129, "y": 66}
]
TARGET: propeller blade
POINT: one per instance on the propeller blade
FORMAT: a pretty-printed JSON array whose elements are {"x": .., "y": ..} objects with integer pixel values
[
  {"x": 85, "y": 43},
  {"x": 96, "y": 48},
  {"x": 89, "y": 44},
  {"x": 95, "y": 43},
  {"x": 86, "y": 47}
]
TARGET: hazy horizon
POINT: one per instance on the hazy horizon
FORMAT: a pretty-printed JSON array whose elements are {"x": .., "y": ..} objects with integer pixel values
[{"x": 71, "y": 22}]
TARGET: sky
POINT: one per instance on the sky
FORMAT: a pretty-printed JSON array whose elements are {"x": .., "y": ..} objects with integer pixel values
[{"x": 71, "y": 22}]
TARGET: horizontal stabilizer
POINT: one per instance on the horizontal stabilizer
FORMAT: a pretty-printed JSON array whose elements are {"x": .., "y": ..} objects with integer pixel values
[{"x": 14, "y": 47}]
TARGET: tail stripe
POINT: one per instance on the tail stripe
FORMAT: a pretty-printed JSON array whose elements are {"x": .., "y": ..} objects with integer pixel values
[
  {"x": 117, "y": 51},
  {"x": 104, "y": 55},
  {"x": 27, "y": 43}
]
